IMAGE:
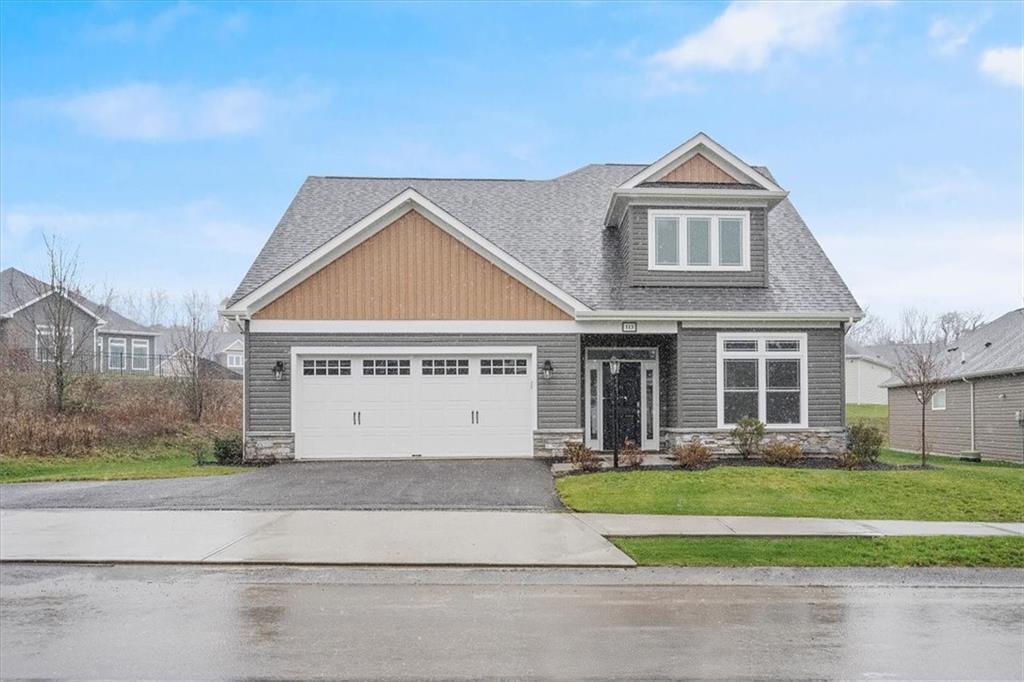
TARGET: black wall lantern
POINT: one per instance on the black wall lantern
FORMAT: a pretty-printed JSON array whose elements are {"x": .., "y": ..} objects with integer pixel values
[
  {"x": 547, "y": 369},
  {"x": 278, "y": 370}
]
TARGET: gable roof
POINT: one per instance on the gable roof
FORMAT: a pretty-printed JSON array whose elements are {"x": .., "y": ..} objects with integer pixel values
[
  {"x": 556, "y": 229},
  {"x": 883, "y": 356},
  {"x": 19, "y": 289}
]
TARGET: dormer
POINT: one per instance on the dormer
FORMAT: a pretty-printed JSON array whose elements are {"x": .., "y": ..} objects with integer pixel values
[{"x": 695, "y": 217}]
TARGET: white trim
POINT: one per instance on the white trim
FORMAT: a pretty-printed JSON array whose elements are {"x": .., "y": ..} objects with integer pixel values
[
  {"x": 99, "y": 320},
  {"x": 236, "y": 342},
  {"x": 231, "y": 355},
  {"x": 718, "y": 316},
  {"x": 935, "y": 395},
  {"x": 144, "y": 343},
  {"x": 378, "y": 220},
  {"x": 761, "y": 355},
  {"x": 123, "y": 343},
  {"x": 50, "y": 328},
  {"x": 714, "y": 152},
  {"x": 597, "y": 443},
  {"x": 682, "y": 216},
  {"x": 128, "y": 332},
  {"x": 609, "y": 326}
]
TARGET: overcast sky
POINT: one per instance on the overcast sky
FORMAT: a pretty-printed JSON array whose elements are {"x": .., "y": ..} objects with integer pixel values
[{"x": 167, "y": 139}]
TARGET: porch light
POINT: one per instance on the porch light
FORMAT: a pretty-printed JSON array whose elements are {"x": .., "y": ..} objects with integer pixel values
[
  {"x": 547, "y": 369},
  {"x": 613, "y": 366},
  {"x": 278, "y": 370}
]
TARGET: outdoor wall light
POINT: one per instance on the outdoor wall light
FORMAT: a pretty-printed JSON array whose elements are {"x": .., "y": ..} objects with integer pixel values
[
  {"x": 278, "y": 370},
  {"x": 547, "y": 369},
  {"x": 613, "y": 366}
]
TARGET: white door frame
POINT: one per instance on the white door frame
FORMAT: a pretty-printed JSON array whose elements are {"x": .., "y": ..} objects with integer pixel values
[{"x": 595, "y": 367}]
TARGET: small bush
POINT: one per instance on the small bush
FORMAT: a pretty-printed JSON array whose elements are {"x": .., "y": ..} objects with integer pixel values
[
  {"x": 782, "y": 453},
  {"x": 580, "y": 456},
  {"x": 228, "y": 450},
  {"x": 847, "y": 460},
  {"x": 865, "y": 442},
  {"x": 631, "y": 455},
  {"x": 692, "y": 455},
  {"x": 747, "y": 436}
]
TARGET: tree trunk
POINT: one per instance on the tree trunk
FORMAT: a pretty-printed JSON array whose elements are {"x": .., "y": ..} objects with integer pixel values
[{"x": 923, "y": 453}]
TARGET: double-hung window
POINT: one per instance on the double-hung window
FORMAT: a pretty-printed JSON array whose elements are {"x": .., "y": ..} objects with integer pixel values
[
  {"x": 764, "y": 376},
  {"x": 235, "y": 360},
  {"x": 116, "y": 353},
  {"x": 698, "y": 240},
  {"x": 140, "y": 354},
  {"x": 46, "y": 343}
]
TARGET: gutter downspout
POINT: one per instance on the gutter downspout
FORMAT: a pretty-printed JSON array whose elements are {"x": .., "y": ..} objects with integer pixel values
[{"x": 971, "y": 383}]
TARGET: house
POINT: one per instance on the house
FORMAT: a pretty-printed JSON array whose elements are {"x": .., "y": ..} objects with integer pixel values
[
  {"x": 980, "y": 407},
  {"x": 398, "y": 317},
  {"x": 99, "y": 337},
  {"x": 225, "y": 351},
  {"x": 866, "y": 372}
]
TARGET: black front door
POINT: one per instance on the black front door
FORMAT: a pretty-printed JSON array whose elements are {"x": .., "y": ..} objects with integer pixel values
[{"x": 628, "y": 412}]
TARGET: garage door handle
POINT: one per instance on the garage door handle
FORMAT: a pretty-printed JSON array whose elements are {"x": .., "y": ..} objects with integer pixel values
[{"x": 359, "y": 418}]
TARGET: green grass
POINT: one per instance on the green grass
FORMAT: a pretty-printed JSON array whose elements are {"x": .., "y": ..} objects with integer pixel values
[
  {"x": 955, "y": 490},
  {"x": 877, "y": 415},
  {"x": 889, "y": 551},
  {"x": 156, "y": 461}
]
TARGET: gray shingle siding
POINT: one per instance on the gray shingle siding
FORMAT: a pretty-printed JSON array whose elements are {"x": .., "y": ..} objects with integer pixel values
[
  {"x": 268, "y": 401},
  {"x": 634, "y": 230},
  {"x": 697, "y": 366}
]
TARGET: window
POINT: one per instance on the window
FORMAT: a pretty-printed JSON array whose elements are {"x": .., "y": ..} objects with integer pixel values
[
  {"x": 699, "y": 240},
  {"x": 385, "y": 368},
  {"x": 446, "y": 367},
  {"x": 46, "y": 345},
  {"x": 116, "y": 352},
  {"x": 762, "y": 376},
  {"x": 939, "y": 399},
  {"x": 140, "y": 354},
  {"x": 318, "y": 368},
  {"x": 493, "y": 366},
  {"x": 235, "y": 360}
]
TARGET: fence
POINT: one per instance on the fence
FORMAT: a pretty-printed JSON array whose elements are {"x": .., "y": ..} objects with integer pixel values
[{"x": 127, "y": 364}]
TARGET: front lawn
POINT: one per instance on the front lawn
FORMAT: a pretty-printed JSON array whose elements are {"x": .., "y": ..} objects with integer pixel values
[
  {"x": 952, "y": 491},
  {"x": 889, "y": 551},
  {"x": 156, "y": 461}
]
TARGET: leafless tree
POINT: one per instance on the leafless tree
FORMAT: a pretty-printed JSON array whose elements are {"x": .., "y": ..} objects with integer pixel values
[
  {"x": 191, "y": 340},
  {"x": 921, "y": 361},
  {"x": 60, "y": 323},
  {"x": 955, "y": 323},
  {"x": 871, "y": 330},
  {"x": 150, "y": 309}
]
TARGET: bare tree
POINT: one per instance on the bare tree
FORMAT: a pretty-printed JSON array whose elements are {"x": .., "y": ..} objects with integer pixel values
[
  {"x": 59, "y": 325},
  {"x": 191, "y": 340},
  {"x": 952, "y": 325},
  {"x": 921, "y": 362},
  {"x": 871, "y": 330},
  {"x": 150, "y": 309}
]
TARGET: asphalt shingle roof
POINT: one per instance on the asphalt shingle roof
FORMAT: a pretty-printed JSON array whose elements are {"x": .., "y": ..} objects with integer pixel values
[
  {"x": 556, "y": 227},
  {"x": 992, "y": 348}
]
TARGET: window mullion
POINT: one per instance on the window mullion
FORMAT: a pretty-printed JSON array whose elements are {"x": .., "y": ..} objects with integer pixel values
[
  {"x": 762, "y": 389},
  {"x": 713, "y": 245}
]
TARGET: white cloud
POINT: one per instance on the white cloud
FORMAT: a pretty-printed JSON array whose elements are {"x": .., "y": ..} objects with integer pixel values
[
  {"x": 748, "y": 34},
  {"x": 153, "y": 112},
  {"x": 949, "y": 35},
  {"x": 1004, "y": 64},
  {"x": 152, "y": 28}
]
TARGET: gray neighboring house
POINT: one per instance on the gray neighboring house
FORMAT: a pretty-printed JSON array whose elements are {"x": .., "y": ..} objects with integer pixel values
[
  {"x": 115, "y": 343},
  {"x": 868, "y": 368},
  {"x": 656, "y": 303},
  {"x": 226, "y": 350},
  {"x": 981, "y": 406}
]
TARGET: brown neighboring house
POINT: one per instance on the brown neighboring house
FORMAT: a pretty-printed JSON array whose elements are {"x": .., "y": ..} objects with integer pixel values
[{"x": 980, "y": 408}]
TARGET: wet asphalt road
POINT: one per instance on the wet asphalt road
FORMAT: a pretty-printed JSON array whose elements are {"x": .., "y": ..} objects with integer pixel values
[
  {"x": 494, "y": 484},
  {"x": 132, "y": 622}
]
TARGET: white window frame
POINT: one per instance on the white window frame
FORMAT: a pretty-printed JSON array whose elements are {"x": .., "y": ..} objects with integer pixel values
[
  {"x": 937, "y": 408},
  {"x": 681, "y": 239},
  {"x": 122, "y": 343},
  {"x": 48, "y": 333},
  {"x": 762, "y": 355},
  {"x": 235, "y": 360},
  {"x": 140, "y": 343}
]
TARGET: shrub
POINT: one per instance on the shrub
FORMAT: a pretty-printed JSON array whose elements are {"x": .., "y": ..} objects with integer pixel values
[
  {"x": 747, "y": 436},
  {"x": 228, "y": 450},
  {"x": 847, "y": 460},
  {"x": 692, "y": 455},
  {"x": 580, "y": 456},
  {"x": 631, "y": 455},
  {"x": 782, "y": 453},
  {"x": 865, "y": 442}
]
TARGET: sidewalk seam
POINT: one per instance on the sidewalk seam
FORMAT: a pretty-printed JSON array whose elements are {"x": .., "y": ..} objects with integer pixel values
[{"x": 243, "y": 536}]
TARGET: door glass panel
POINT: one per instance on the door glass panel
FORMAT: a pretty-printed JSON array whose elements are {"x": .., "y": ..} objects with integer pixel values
[
  {"x": 594, "y": 407},
  {"x": 621, "y": 410},
  {"x": 649, "y": 380},
  {"x": 698, "y": 241}
]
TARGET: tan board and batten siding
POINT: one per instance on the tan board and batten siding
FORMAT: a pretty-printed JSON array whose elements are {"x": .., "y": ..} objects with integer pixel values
[
  {"x": 698, "y": 169},
  {"x": 411, "y": 270}
]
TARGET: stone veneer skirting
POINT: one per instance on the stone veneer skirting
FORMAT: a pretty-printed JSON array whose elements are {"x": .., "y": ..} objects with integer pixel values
[
  {"x": 269, "y": 446},
  {"x": 548, "y": 443},
  {"x": 818, "y": 441}
]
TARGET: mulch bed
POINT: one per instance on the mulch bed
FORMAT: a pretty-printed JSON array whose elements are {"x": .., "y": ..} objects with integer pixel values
[{"x": 805, "y": 463}]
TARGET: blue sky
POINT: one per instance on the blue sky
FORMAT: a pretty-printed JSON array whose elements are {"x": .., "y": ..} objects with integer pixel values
[{"x": 165, "y": 140}]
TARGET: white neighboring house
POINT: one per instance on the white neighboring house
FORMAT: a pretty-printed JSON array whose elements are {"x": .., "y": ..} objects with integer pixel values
[
  {"x": 227, "y": 350},
  {"x": 866, "y": 370}
]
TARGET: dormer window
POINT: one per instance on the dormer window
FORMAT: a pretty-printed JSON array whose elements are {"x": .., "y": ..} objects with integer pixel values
[{"x": 698, "y": 240}]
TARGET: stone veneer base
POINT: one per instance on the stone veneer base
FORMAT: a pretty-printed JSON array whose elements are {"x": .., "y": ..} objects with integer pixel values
[
  {"x": 813, "y": 441},
  {"x": 549, "y": 443},
  {"x": 267, "y": 447}
]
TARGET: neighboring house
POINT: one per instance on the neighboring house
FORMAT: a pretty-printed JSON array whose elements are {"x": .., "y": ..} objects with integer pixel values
[
  {"x": 114, "y": 342},
  {"x": 397, "y": 317},
  {"x": 981, "y": 406},
  {"x": 226, "y": 350},
  {"x": 866, "y": 371}
]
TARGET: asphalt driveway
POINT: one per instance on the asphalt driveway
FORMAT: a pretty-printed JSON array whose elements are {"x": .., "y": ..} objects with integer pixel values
[{"x": 524, "y": 485}]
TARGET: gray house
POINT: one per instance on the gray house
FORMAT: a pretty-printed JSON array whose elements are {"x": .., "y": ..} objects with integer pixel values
[
  {"x": 404, "y": 317},
  {"x": 100, "y": 338},
  {"x": 980, "y": 408},
  {"x": 226, "y": 350}
]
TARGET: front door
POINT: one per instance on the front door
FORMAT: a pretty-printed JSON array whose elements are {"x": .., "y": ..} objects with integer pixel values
[
  {"x": 621, "y": 405},
  {"x": 625, "y": 407}
]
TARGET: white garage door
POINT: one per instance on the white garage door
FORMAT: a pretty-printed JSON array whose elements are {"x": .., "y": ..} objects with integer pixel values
[{"x": 468, "y": 404}]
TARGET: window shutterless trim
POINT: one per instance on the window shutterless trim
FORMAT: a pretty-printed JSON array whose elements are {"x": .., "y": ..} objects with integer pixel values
[
  {"x": 762, "y": 355},
  {"x": 144, "y": 344},
  {"x": 122, "y": 344},
  {"x": 681, "y": 218},
  {"x": 936, "y": 395}
]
